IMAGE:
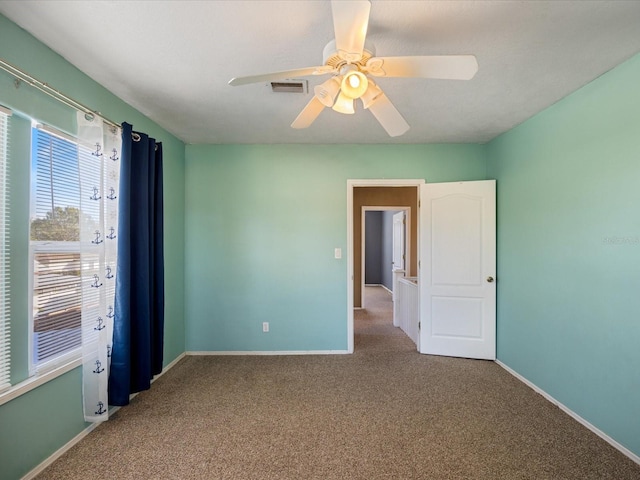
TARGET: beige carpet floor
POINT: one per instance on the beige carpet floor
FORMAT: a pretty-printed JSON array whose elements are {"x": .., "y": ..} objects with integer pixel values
[{"x": 385, "y": 412}]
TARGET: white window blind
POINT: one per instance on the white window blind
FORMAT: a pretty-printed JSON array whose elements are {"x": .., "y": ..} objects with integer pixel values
[
  {"x": 55, "y": 248},
  {"x": 5, "y": 379}
]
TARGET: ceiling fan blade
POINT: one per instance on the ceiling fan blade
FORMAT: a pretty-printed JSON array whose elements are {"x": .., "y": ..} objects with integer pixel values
[
  {"x": 350, "y": 23},
  {"x": 447, "y": 67},
  {"x": 309, "y": 113},
  {"x": 388, "y": 116},
  {"x": 268, "y": 77}
]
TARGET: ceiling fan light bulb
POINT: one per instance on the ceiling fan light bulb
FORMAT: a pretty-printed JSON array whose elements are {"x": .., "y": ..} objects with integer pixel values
[
  {"x": 344, "y": 104},
  {"x": 354, "y": 84}
]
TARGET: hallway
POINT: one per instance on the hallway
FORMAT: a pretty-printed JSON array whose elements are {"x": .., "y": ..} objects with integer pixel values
[{"x": 373, "y": 325}]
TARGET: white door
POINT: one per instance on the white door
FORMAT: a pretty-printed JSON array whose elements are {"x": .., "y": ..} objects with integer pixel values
[
  {"x": 398, "y": 261},
  {"x": 458, "y": 269},
  {"x": 398, "y": 241}
]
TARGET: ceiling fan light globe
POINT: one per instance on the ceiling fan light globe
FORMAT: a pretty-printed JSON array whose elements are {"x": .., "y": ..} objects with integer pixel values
[
  {"x": 327, "y": 91},
  {"x": 354, "y": 84},
  {"x": 371, "y": 95},
  {"x": 344, "y": 104}
]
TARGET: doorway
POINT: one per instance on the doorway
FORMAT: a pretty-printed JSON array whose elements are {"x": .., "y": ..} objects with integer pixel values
[{"x": 361, "y": 193}]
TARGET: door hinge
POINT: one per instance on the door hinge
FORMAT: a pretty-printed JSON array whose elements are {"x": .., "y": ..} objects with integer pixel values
[{"x": 418, "y": 325}]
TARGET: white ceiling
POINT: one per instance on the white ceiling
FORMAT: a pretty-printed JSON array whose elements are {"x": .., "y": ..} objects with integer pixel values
[{"x": 172, "y": 60}]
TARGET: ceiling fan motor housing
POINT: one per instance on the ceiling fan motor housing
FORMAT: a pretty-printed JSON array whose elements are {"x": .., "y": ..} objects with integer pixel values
[{"x": 332, "y": 58}]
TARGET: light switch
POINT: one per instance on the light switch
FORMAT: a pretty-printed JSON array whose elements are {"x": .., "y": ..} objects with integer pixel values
[{"x": 337, "y": 253}]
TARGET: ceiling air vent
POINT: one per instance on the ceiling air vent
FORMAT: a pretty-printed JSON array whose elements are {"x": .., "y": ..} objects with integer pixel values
[{"x": 290, "y": 86}]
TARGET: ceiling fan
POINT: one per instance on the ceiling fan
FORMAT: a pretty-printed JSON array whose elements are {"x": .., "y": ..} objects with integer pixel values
[{"x": 352, "y": 62}]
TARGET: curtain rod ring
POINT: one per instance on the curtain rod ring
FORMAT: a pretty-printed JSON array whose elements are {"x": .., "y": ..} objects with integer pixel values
[
  {"x": 89, "y": 117},
  {"x": 136, "y": 136}
]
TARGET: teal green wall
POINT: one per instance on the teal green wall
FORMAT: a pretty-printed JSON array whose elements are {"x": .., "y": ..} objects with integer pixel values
[
  {"x": 569, "y": 251},
  {"x": 36, "y": 424},
  {"x": 262, "y": 222}
]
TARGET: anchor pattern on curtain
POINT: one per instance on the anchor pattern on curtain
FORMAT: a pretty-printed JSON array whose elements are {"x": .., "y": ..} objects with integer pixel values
[{"x": 99, "y": 164}]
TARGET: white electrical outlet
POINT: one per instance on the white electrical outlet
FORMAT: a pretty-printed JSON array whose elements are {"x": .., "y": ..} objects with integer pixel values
[
  {"x": 265, "y": 327},
  {"x": 337, "y": 253}
]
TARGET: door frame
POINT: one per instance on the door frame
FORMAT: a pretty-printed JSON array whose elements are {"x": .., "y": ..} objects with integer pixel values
[
  {"x": 351, "y": 184},
  {"x": 407, "y": 248}
]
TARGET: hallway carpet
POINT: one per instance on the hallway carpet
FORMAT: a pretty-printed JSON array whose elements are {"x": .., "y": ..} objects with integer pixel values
[{"x": 385, "y": 412}]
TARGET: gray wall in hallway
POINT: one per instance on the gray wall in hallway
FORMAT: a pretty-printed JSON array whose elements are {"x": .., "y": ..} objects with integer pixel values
[
  {"x": 378, "y": 255},
  {"x": 373, "y": 247}
]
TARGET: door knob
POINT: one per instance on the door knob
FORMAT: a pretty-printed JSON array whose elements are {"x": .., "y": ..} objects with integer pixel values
[{"x": 490, "y": 279}]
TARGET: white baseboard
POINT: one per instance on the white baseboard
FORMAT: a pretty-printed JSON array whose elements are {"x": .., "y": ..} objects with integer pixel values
[
  {"x": 573, "y": 414},
  {"x": 377, "y": 285},
  {"x": 58, "y": 453},
  {"x": 283, "y": 352},
  {"x": 169, "y": 366},
  {"x": 62, "y": 450}
]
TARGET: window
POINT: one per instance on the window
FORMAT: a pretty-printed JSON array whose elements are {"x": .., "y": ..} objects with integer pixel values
[
  {"x": 56, "y": 333},
  {"x": 5, "y": 379}
]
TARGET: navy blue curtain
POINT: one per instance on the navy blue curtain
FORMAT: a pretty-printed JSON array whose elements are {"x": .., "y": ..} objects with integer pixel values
[{"x": 138, "y": 334}]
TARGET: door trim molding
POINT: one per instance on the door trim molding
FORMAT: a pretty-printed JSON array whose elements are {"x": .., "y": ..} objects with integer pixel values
[{"x": 351, "y": 184}]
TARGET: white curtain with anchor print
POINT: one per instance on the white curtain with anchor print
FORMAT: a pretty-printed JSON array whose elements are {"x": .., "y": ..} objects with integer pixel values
[{"x": 99, "y": 163}]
